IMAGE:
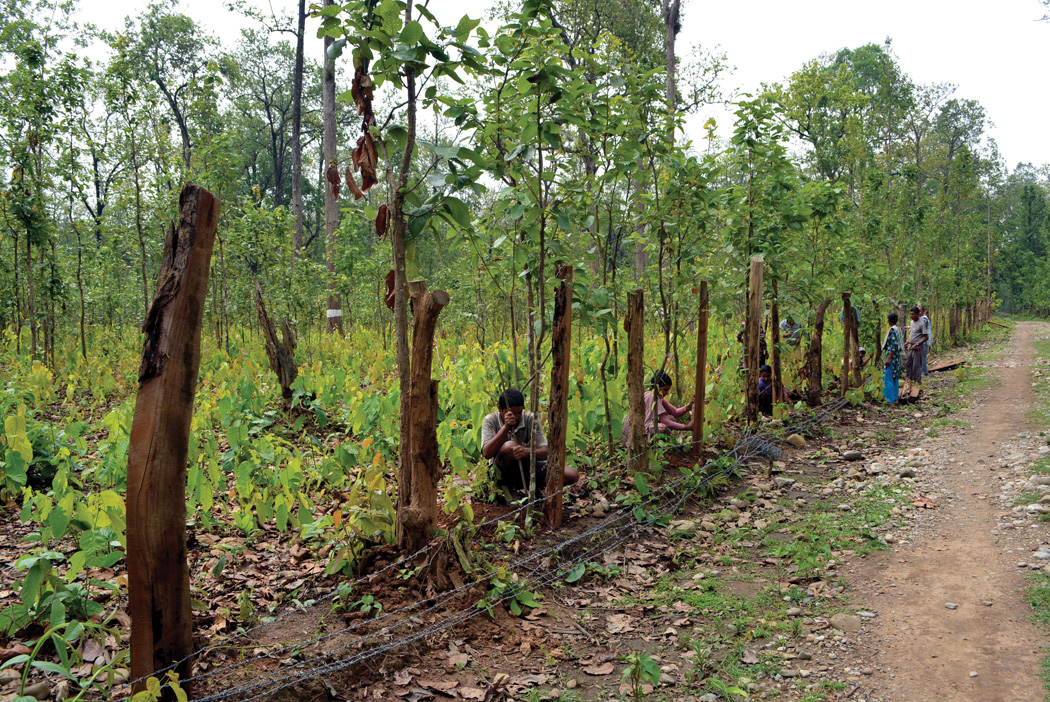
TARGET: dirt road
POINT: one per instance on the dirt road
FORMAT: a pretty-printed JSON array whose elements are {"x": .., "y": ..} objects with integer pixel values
[{"x": 953, "y": 624}]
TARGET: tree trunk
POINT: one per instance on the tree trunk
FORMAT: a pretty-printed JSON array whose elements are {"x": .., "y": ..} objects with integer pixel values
[
  {"x": 418, "y": 515},
  {"x": 331, "y": 197},
  {"x": 670, "y": 10},
  {"x": 814, "y": 357},
  {"x": 281, "y": 352},
  {"x": 633, "y": 323},
  {"x": 297, "y": 129},
  {"x": 854, "y": 335},
  {"x": 158, "y": 574},
  {"x": 754, "y": 336},
  {"x": 847, "y": 323},
  {"x": 700, "y": 387},
  {"x": 558, "y": 412}
]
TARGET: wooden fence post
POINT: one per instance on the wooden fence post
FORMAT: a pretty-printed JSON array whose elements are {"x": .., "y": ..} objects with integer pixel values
[
  {"x": 419, "y": 515},
  {"x": 633, "y": 323},
  {"x": 754, "y": 335},
  {"x": 847, "y": 335},
  {"x": 558, "y": 412},
  {"x": 774, "y": 323},
  {"x": 158, "y": 575},
  {"x": 700, "y": 396}
]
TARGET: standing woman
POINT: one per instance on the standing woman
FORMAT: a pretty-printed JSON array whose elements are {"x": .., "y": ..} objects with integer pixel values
[{"x": 893, "y": 354}]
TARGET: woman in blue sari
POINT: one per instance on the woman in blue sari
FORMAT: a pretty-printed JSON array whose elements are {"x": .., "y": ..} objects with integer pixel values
[{"x": 893, "y": 354}]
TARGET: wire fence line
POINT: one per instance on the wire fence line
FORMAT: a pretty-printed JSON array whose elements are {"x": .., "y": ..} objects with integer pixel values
[
  {"x": 613, "y": 536},
  {"x": 750, "y": 445}
]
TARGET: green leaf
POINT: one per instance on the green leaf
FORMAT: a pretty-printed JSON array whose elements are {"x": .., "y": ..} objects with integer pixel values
[
  {"x": 336, "y": 49},
  {"x": 412, "y": 33},
  {"x": 15, "y": 467},
  {"x": 458, "y": 210},
  {"x": 576, "y": 573}
]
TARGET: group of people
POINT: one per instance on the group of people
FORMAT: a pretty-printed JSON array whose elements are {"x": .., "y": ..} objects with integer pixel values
[
  {"x": 906, "y": 359},
  {"x": 509, "y": 435}
]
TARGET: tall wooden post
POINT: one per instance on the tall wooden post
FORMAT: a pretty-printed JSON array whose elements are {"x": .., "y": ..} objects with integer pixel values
[
  {"x": 417, "y": 512},
  {"x": 700, "y": 397},
  {"x": 158, "y": 575},
  {"x": 847, "y": 335},
  {"x": 754, "y": 335},
  {"x": 774, "y": 323},
  {"x": 558, "y": 413},
  {"x": 854, "y": 335},
  {"x": 633, "y": 323}
]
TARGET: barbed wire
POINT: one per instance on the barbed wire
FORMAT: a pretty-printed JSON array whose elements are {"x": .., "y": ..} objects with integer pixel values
[
  {"x": 757, "y": 445},
  {"x": 286, "y": 678}
]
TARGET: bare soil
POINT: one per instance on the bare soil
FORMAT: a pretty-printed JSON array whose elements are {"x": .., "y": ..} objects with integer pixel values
[{"x": 987, "y": 648}]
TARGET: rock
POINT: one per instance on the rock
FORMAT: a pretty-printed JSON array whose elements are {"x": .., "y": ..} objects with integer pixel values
[
  {"x": 973, "y": 673},
  {"x": 846, "y": 623},
  {"x": 61, "y": 691},
  {"x": 950, "y": 605},
  {"x": 789, "y": 673},
  {"x": 1041, "y": 480},
  {"x": 709, "y": 697},
  {"x": 666, "y": 679},
  {"x": 601, "y": 508},
  {"x": 707, "y": 526},
  {"x": 866, "y": 671},
  {"x": 796, "y": 440},
  {"x": 987, "y": 603},
  {"x": 890, "y": 539},
  {"x": 1043, "y": 555},
  {"x": 853, "y": 455},
  {"x": 845, "y": 507},
  {"x": 571, "y": 683},
  {"x": 907, "y": 472},
  {"x": 867, "y": 615},
  {"x": 794, "y": 611},
  {"x": 40, "y": 690},
  {"x": 683, "y": 528},
  {"x": 783, "y": 482}
]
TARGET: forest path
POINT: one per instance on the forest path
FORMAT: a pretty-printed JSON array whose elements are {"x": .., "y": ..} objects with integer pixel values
[{"x": 965, "y": 553}]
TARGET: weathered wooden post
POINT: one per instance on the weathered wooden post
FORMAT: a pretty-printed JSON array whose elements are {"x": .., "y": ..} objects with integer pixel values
[
  {"x": 700, "y": 397},
  {"x": 854, "y": 335},
  {"x": 847, "y": 321},
  {"x": 633, "y": 323},
  {"x": 417, "y": 513},
  {"x": 281, "y": 352},
  {"x": 558, "y": 413},
  {"x": 754, "y": 335},
  {"x": 774, "y": 323},
  {"x": 158, "y": 575}
]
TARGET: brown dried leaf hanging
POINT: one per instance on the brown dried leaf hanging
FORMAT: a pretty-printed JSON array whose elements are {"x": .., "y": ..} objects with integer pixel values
[
  {"x": 382, "y": 219},
  {"x": 332, "y": 176},
  {"x": 352, "y": 184},
  {"x": 390, "y": 289}
]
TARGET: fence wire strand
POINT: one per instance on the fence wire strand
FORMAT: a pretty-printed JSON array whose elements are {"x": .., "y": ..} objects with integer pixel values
[{"x": 750, "y": 445}]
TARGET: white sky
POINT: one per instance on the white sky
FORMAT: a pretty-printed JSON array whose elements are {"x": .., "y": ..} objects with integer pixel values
[{"x": 996, "y": 53}]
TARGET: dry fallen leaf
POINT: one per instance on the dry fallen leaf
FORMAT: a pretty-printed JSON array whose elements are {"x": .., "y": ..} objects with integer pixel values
[
  {"x": 402, "y": 677},
  {"x": 750, "y": 657},
  {"x": 603, "y": 669}
]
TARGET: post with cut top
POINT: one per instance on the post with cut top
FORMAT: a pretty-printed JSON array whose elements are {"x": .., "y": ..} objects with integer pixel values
[
  {"x": 847, "y": 335},
  {"x": 633, "y": 323},
  {"x": 417, "y": 506},
  {"x": 754, "y": 335},
  {"x": 700, "y": 396},
  {"x": 158, "y": 574},
  {"x": 558, "y": 417}
]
